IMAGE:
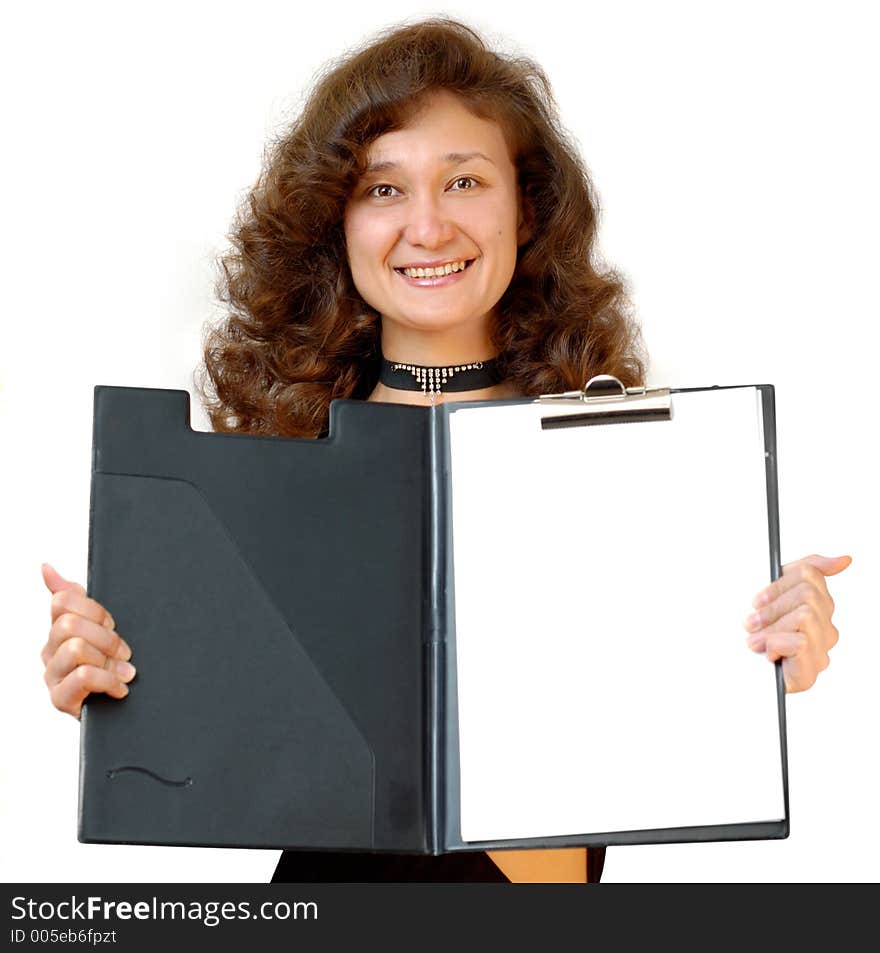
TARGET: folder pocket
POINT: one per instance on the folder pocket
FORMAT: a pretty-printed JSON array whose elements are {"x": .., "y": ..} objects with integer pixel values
[{"x": 237, "y": 741}]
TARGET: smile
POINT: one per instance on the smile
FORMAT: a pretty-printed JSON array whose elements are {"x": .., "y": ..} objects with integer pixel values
[{"x": 430, "y": 277}]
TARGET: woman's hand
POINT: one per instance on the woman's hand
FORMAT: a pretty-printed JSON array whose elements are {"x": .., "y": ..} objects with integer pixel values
[
  {"x": 84, "y": 653},
  {"x": 793, "y": 619}
]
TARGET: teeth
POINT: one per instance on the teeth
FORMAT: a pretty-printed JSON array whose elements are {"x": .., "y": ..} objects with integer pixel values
[{"x": 437, "y": 272}]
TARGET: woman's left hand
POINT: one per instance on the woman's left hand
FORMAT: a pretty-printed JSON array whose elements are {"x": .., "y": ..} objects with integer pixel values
[{"x": 792, "y": 620}]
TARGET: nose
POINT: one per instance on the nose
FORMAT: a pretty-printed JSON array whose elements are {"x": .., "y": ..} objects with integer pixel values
[{"x": 427, "y": 225}]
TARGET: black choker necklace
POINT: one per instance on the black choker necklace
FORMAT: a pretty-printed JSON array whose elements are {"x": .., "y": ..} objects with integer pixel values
[{"x": 436, "y": 380}]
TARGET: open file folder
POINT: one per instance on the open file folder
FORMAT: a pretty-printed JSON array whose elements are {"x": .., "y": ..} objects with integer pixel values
[{"x": 471, "y": 626}]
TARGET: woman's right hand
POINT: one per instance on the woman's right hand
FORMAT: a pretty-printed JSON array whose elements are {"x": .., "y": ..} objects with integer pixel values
[{"x": 84, "y": 653}]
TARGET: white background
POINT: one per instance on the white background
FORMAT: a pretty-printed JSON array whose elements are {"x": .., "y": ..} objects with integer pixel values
[{"x": 734, "y": 150}]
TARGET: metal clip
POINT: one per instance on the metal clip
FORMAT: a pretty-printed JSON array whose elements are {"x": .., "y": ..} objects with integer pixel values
[{"x": 604, "y": 400}]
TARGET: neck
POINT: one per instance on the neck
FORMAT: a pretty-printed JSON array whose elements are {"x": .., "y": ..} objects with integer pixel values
[{"x": 432, "y": 348}]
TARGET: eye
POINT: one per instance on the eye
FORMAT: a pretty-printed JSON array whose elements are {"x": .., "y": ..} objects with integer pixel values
[
  {"x": 463, "y": 183},
  {"x": 383, "y": 191}
]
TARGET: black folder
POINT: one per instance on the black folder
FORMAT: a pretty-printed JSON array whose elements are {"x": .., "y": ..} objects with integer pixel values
[{"x": 291, "y": 606}]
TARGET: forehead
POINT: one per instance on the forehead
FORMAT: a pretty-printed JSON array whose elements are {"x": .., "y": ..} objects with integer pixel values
[{"x": 441, "y": 125}]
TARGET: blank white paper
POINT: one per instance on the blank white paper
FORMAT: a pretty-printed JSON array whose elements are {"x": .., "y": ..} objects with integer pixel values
[{"x": 601, "y": 578}]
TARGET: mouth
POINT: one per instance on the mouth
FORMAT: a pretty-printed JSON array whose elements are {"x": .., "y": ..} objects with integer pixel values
[{"x": 447, "y": 273}]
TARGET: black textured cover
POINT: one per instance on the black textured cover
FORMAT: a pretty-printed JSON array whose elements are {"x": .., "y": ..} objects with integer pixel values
[{"x": 272, "y": 592}]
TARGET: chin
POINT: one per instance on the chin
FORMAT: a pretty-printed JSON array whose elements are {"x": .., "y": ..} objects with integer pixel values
[{"x": 438, "y": 318}]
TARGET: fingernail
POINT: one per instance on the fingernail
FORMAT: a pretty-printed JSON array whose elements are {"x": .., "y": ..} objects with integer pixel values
[
  {"x": 761, "y": 599},
  {"x": 753, "y": 623},
  {"x": 125, "y": 670},
  {"x": 753, "y": 641},
  {"x": 124, "y": 690},
  {"x": 109, "y": 622},
  {"x": 123, "y": 652}
]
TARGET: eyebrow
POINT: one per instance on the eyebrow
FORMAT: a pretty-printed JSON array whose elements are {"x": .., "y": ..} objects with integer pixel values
[{"x": 451, "y": 158}]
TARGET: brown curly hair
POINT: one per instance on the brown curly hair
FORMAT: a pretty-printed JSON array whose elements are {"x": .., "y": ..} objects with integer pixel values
[{"x": 298, "y": 335}]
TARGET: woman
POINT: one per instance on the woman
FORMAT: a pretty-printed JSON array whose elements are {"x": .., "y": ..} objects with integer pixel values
[{"x": 425, "y": 210}]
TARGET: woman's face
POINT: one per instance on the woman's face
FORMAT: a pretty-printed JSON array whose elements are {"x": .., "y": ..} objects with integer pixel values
[{"x": 439, "y": 194}]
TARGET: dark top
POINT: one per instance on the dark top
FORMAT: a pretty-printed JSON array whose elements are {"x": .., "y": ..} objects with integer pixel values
[{"x": 460, "y": 867}]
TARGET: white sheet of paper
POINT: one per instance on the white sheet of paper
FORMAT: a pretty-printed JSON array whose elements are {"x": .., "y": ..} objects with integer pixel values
[{"x": 601, "y": 578}]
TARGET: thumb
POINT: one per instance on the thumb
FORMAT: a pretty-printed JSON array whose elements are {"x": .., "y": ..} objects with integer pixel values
[
  {"x": 829, "y": 565},
  {"x": 55, "y": 582}
]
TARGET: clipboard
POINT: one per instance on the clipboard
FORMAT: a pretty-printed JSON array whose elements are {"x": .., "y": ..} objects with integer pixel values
[{"x": 306, "y": 620}]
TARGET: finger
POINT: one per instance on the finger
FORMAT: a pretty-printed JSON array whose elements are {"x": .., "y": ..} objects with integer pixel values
[
  {"x": 69, "y": 694},
  {"x": 802, "y": 620},
  {"x": 800, "y": 663},
  {"x": 69, "y": 625},
  {"x": 778, "y": 645},
  {"x": 71, "y": 600},
  {"x": 797, "y": 675},
  {"x": 802, "y": 594},
  {"x": 822, "y": 635},
  {"x": 76, "y": 651},
  {"x": 55, "y": 582},
  {"x": 827, "y": 565},
  {"x": 792, "y": 575}
]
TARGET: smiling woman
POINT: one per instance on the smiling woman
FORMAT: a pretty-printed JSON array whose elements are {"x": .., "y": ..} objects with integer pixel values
[
  {"x": 423, "y": 231},
  {"x": 424, "y": 149}
]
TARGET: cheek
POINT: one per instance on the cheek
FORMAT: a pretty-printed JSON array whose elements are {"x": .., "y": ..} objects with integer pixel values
[
  {"x": 353, "y": 241},
  {"x": 365, "y": 259},
  {"x": 503, "y": 212},
  {"x": 367, "y": 245},
  {"x": 501, "y": 233}
]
